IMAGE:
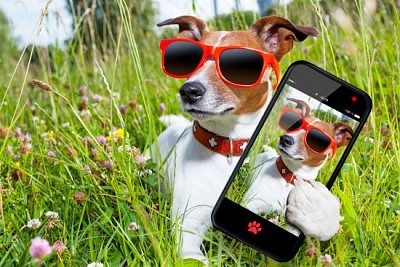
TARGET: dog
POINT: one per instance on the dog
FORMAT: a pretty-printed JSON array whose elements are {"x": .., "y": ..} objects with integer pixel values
[
  {"x": 195, "y": 167},
  {"x": 296, "y": 163}
]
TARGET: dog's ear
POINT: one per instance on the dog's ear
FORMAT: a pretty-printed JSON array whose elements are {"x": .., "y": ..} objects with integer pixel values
[
  {"x": 277, "y": 34},
  {"x": 342, "y": 133},
  {"x": 302, "y": 106},
  {"x": 189, "y": 27}
]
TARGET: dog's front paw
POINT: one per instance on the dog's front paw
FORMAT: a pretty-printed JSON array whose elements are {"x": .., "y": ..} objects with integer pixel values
[{"x": 313, "y": 209}]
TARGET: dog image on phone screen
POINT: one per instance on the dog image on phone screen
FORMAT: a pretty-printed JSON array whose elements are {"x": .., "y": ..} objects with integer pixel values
[
  {"x": 227, "y": 90},
  {"x": 308, "y": 143}
]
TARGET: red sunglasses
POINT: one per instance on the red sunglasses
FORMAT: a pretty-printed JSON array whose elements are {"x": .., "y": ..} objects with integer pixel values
[
  {"x": 238, "y": 66},
  {"x": 315, "y": 139}
]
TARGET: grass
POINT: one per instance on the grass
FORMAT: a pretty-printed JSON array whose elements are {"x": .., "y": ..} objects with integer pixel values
[{"x": 119, "y": 189}]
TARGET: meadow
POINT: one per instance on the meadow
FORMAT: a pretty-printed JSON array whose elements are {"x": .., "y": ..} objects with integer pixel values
[{"x": 75, "y": 122}]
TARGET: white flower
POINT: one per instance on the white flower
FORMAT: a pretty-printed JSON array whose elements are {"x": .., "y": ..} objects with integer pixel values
[
  {"x": 52, "y": 214},
  {"x": 133, "y": 226},
  {"x": 326, "y": 259},
  {"x": 95, "y": 264},
  {"x": 128, "y": 148},
  {"x": 34, "y": 223}
]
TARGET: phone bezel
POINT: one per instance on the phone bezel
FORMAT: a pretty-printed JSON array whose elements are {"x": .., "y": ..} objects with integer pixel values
[{"x": 224, "y": 223}]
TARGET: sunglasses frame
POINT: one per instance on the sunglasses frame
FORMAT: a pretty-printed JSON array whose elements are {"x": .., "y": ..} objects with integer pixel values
[
  {"x": 215, "y": 51},
  {"x": 305, "y": 125}
]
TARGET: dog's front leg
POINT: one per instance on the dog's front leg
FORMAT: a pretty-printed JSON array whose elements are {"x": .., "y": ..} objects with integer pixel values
[
  {"x": 313, "y": 209},
  {"x": 193, "y": 227}
]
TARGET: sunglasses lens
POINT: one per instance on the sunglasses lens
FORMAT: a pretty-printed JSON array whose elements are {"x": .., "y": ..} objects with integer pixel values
[
  {"x": 317, "y": 140},
  {"x": 290, "y": 121},
  {"x": 241, "y": 66},
  {"x": 182, "y": 58}
]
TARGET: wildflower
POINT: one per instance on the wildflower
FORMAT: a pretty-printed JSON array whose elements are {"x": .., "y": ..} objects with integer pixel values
[
  {"x": 84, "y": 99},
  {"x": 34, "y": 223},
  {"x": 59, "y": 247},
  {"x": 25, "y": 137},
  {"x": 117, "y": 135},
  {"x": 162, "y": 108},
  {"x": 141, "y": 159},
  {"x": 312, "y": 249},
  {"x": 70, "y": 151},
  {"x": 128, "y": 148},
  {"x": 24, "y": 149},
  {"x": 85, "y": 141},
  {"x": 17, "y": 158},
  {"x": 132, "y": 103},
  {"x": 52, "y": 222},
  {"x": 122, "y": 109},
  {"x": 101, "y": 139},
  {"x": 326, "y": 260},
  {"x": 80, "y": 197},
  {"x": 97, "y": 98},
  {"x": 52, "y": 214},
  {"x": 82, "y": 90},
  {"x": 133, "y": 226},
  {"x": 108, "y": 164},
  {"x": 95, "y": 153},
  {"x": 18, "y": 132},
  {"x": 86, "y": 115},
  {"x": 275, "y": 220},
  {"x": 51, "y": 154},
  {"x": 9, "y": 150},
  {"x": 86, "y": 168},
  {"x": 95, "y": 264},
  {"x": 39, "y": 248}
]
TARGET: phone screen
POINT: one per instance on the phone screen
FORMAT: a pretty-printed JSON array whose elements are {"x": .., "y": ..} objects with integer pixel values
[
  {"x": 307, "y": 132},
  {"x": 291, "y": 143}
]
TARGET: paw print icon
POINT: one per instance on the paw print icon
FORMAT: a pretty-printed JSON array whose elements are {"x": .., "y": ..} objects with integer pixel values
[{"x": 254, "y": 227}]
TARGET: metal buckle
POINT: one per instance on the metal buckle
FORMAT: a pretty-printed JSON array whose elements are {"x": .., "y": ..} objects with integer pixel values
[{"x": 230, "y": 150}]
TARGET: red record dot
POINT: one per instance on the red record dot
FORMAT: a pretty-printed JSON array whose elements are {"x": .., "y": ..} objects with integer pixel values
[{"x": 354, "y": 98}]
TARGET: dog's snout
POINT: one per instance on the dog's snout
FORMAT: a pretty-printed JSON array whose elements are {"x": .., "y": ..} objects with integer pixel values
[
  {"x": 286, "y": 141},
  {"x": 192, "y": 92}
]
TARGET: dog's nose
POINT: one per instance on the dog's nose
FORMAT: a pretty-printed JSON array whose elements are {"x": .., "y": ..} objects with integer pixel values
[
  {"x": 191, "y": 92},
  {"x": 286, "y": 141}
]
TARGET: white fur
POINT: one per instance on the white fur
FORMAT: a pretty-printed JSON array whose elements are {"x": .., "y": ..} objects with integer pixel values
[{"x": 197, "y": 175}]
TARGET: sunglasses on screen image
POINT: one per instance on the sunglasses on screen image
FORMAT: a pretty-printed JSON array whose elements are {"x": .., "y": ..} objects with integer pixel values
[
  {"x": 315, "y": 139},
  {"x": 238, "y": 66}
]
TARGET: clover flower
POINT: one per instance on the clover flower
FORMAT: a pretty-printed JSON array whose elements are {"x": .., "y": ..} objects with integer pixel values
[
  {"x": 133, "y": 226},
  {"x": 326, "y": 260},
  {"x": 51, "y": 154},
  {"x": 59, "y": 247},
  {"x": 95, "y": 264},
  {"x": 39, "y": 248},
  {"x": 34, "y": 223}
]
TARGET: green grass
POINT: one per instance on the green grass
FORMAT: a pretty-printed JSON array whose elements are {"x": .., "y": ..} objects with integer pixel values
[{"x": 96, "y": 228}]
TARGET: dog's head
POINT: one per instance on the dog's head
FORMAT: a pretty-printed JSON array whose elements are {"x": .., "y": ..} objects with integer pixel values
[
  {"x": 293, "y": 147},
  {"x": 205, "y": 95}
]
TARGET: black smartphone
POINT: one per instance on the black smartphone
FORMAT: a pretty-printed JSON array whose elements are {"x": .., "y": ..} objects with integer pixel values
[{"x": 307, "y": 131}]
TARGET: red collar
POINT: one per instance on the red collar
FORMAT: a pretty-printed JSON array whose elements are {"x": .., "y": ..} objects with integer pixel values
[
  {"x": 284, "y": 171},
  {"x": 217, "y": 143}
]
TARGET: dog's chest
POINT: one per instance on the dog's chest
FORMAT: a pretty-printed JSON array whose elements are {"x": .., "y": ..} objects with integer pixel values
[{"x": 197, "y": 173}]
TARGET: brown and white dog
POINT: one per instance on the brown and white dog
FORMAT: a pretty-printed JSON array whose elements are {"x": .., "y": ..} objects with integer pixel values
[
  {"x": 274, "y": 177},
  {"x": 196, "y": 174}
]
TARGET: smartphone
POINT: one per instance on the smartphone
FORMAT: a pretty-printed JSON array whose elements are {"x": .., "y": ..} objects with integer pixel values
[{"x": 307, "y": 131}]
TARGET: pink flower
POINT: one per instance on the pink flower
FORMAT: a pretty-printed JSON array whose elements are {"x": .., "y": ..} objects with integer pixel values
[
  {"x": 97, "y": 98},
  {"x": 102, "y": 140},
  {"x": 51, "y": 154},
  {"x": 108, "y": 164},
  {"x": 141, "y": 159},
  {"x": 39, "y": 248},
  {"x": 83, "y": 90},
  {"x": 86, "y": 168},
  {"x": 59, "y": 247}
]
